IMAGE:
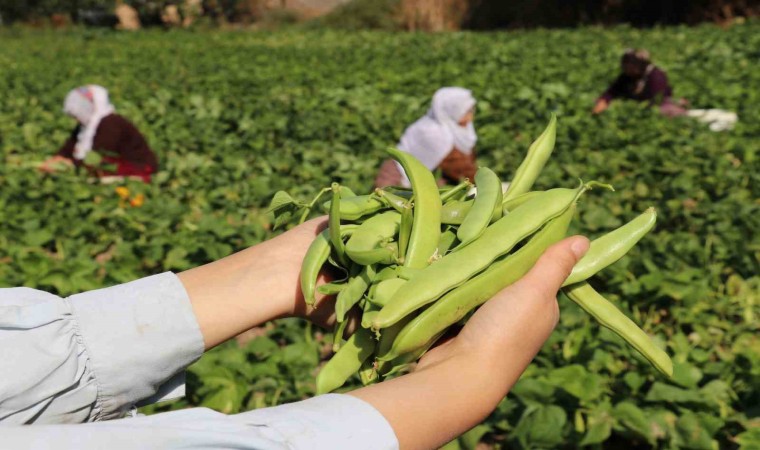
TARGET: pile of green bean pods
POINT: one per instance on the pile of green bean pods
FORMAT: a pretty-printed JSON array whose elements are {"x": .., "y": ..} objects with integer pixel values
[{"x": 415, "y": 262}]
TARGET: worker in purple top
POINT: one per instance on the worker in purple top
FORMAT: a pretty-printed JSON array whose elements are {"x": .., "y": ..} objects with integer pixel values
[{"x": 641, "y": 81}]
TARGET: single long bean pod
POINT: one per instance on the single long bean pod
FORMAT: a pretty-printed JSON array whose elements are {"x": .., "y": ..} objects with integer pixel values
[
  {"x": 356, "y": 207},
  {"x": 334, "y": 229},
  {"x": 426, "y": 226},
  {"x": 538, "y": 153},
  {"x": 457, "y": 267},
  {"x": 510, "y": 205},
  {"x": 448, "y": 238},
  {"x": 338, "y": 331},
  {"x": 405, "y": 231},
  {"x": 612, "y": 246},
  {"x": 612, "y": 318},
  {"x": 454, "y": 212},
  {"x": 464, "y": 186},
  {"x": 456, "y": 304},
  {"x": 353, "y": 292},
  {"x": 385, "y": 290},
  {"x": 369, "y": 242},
  {"x": 316, "y": 256},
  {"x": 392, "y": 200},
  {"x": 346, "y": 362},
  {"x": 388, "y": 368},
  {"x": 488, "y": 199}
]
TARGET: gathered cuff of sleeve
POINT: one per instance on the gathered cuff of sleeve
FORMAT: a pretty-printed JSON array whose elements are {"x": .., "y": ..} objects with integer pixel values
[
  {"x": 326, "y": 421},
  {"x": 152, "y": 337}
]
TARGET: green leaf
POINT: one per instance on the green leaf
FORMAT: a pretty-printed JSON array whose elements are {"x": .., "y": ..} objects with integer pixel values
[
  {"x": 686, "y": 375},
  {"x": 598, "y": 426},
  {"x": 577, "y": 381},
  {"x": 281, "y": 200},
  {"x": 542, "y": 426},
  {"x": 660, "y": 392},
  {"x": 749, "y": 439},
  {"x": 533, "y": 391},
  {"x": 691, "y": 434},
  {"x": 634, "y": 419}
]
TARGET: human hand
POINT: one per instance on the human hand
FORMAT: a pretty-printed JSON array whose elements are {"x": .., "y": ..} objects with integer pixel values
[
  {"x": 600, "y": 106},
  {"x": 256, "y": 285},
  {"x": 54, "y": 164},
  {"x": 459, "y": 383}
]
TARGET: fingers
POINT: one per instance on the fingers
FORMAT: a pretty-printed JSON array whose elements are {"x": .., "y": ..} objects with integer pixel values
[{"x": 554, "y": 266}]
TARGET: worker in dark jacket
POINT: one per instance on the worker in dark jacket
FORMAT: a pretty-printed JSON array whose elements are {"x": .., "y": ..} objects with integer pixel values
[
  {"x": 123, "y": 149},
  {"x": 641, "y": 81}
]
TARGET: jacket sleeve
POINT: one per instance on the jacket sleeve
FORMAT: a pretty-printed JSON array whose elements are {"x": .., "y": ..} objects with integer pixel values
[{"x": 93, "y": 356}]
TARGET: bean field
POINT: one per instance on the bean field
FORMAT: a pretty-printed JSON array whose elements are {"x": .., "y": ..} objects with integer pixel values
[{"x": 236, "y": 116}]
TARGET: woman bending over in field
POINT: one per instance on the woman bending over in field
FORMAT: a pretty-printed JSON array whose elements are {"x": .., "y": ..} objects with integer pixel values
[
  {"x": 641, "y": 81},
  {"x": 118, "y": 142},
  {"x": 444, "y": 139},
  {"x": 644, "y": 82}
]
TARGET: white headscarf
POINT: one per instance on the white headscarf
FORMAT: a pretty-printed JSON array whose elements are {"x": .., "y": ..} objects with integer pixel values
[
  {"x": 431, "y": 138},
  {"x": 89, "y": 105}
]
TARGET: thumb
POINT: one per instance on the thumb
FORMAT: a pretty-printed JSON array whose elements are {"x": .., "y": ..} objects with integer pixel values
[{"x": 554, "y": 266}]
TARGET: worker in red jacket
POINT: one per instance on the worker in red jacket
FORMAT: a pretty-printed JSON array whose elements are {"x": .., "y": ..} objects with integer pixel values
[{"x": 124, "y": 151}]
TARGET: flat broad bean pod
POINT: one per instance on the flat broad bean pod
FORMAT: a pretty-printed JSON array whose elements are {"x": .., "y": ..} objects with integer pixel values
[
  {"x": 365, "y": 244},
  {"x": 612, "y": 246},
  {"x": 487, "y": 201},
  {"x": 610, "y": 317},
  {"x": 457, "y": 303},
  {"x": 334, "y": 229},
  {"x": 355, "y": 289},
  {"x": 514, "y": 203},
  {"x": 538, "y": 153},
  {"x": 316, "y": 256},
  {"x": 457, "y": 267},
  {"x": 346, "y": 362},
  {"x": 454, "y": 212},
  {"x": 356, "y": 207},
  {"x": 426, "y": 226}
]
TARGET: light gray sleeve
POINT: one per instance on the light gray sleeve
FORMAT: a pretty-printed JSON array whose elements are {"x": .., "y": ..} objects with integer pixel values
[
  {"x": 329, "y": 422},
  {"x": 93, "y": 356}
]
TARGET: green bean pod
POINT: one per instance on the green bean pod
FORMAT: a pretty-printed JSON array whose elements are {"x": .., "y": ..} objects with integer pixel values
[
  {"x": 447, "y": 240},
  {"x": 346, "y": 362},
  {"x": 353, "y": 292},
  {"x": 383, "y": 292},
  {"x": 339, "y": 330},
  {"x": 389, "y": 368},
  {"x": 457, "y": 303},
  {"x": 392, "y": 200},
  {"x": 612, "y": 246},
  {"x": 356, "y": 207},
  {"x": 486, "y": 202},
  {"x": 612, "y": 318},
  {"x": 510, "y": 205},
  {"x": 460, "y": 188},
  {"x": 457, "y": 267},
  {"x": 367, "y": 244},
  {"x": 538, "y": 153},
  {"x": 331, "y": 288},
  {"x": 405, "y": 231},
  {"x": 367, "y": 373},
  {"x": 454, "y": 212},
  {"x": 426, "y": 226},
  {"x": 315, "y": 258},
  {"x": 334, "y": 229}
]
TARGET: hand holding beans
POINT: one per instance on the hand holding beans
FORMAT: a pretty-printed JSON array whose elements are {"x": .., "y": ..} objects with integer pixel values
[{"x": 420, "y": 261}]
